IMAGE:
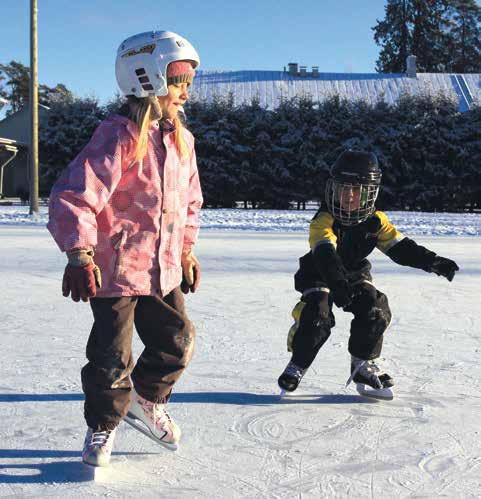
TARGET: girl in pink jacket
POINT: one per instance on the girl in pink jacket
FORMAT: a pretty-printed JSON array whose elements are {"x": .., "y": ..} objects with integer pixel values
[{"x": 125, "y": 211}]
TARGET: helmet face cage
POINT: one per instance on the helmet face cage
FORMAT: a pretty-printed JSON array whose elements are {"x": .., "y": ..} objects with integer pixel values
[{"x": 351, "y": 203}]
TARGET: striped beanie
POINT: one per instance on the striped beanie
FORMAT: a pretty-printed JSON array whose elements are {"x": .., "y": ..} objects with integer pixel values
[{"x": 180, "y": 72}]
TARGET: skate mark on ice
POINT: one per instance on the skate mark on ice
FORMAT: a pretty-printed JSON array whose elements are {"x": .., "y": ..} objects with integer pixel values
[
  {"x": 387, "y": 411},
  {"x": 282, "y": 430},
  {"x": 263, "y": 476},
  {"x": 437, "y": 466},
  {"x": 403, "y": 483},
  {"x": 447, "y": 470},
  {"x": 299, "y": 469},
  {"x": 201, "y": 466},
  {"x": 266, "y": 428},
  {"x": 376, "y": 458},
  {"x": 449, "y": 466},
  {"x": 418, "y": 411}
]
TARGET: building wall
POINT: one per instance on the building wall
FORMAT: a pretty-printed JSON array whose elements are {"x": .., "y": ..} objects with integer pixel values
[{"x": 16, "y": 173}]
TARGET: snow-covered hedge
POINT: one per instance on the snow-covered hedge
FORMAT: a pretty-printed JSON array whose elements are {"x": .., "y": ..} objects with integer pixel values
[{"x": 430, "y": 153}]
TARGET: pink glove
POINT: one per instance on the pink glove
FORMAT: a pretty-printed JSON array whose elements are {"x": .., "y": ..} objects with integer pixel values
[
  {"x": 190, "y": 272},
  {"x": 81, "y": 276}
]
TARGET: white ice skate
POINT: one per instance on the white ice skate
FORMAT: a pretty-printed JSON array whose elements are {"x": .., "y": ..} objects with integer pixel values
[
  {"x": 98, "y": 447},
  {"x": 153, "y": 421},
  {"x": 370, "y": 379}
]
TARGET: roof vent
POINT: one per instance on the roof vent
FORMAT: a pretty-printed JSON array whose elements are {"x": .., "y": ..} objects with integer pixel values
[{"x": 292, "y": 68}]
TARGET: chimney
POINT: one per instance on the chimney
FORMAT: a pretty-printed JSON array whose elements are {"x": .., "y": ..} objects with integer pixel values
[
  {"x": 315, "y": 71},
  {"x": 411, "y": 66},
  {"x": 303, "y": 70},
  {"x": 292, "y": 68}
]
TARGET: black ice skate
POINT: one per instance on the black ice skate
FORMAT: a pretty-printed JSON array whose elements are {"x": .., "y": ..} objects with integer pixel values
[
  {"x": 370, "y": 379},
  {"x": 291, "y": 377}
]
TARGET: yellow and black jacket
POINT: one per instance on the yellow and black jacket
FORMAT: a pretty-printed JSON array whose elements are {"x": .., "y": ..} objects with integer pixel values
[{"x": 340, "y": 253}]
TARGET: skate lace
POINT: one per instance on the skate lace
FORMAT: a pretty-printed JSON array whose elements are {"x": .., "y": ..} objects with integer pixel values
[
  {"x": 293, "y": 370},
  {"x": 100, "y": 438},
  {"x": 157, "y": 413},
  {"x": 366, "y": 367},
  {"x": 161, "y": 416}
]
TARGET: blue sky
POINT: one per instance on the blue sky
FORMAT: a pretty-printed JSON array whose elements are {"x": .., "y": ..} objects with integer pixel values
[{"x": 78, "y": 40}]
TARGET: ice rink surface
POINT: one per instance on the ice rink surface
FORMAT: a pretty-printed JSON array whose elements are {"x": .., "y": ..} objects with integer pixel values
[{"x": 239, "y": 438}]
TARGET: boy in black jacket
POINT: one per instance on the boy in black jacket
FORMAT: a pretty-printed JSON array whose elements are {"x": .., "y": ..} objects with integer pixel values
[{"x": 342, "y": 234}]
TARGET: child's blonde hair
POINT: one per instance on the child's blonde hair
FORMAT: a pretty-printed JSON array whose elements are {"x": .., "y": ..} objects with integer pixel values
[{"x": 145, "y": 110}]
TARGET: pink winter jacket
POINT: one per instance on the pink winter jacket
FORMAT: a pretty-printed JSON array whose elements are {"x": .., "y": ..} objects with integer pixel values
[{"x": 137, "y": 216}]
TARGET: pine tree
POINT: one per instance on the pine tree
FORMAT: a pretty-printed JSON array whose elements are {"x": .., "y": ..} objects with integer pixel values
[
  {"x": 430, "y": 39},
  {"x": 393, "y": 34},
  {"x": 63, "y": 132},
  {"x": 16, "y": 88},
  {"x": 465, "y": 36},
  {"x": 17, "y": 85},
  {"x": 444, "y": 35}
]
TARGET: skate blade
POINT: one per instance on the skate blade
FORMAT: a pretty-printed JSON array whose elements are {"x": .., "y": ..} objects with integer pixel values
[
  {"x": 101, "y": 463},
  {"x": 380, "y": 393},
  {"x": 287, "y": 394},
  {"x": 138, "y": 425}
]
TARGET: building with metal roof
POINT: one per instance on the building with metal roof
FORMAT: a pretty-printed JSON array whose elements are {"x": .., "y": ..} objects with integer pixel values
[{"x": 271, "y": 87}]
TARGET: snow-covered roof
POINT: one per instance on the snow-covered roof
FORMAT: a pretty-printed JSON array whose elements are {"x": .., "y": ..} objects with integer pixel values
[{"x": 272, "y": 86}]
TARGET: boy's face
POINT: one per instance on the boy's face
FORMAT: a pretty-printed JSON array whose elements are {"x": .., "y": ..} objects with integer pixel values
[
  {"x": 351, "y": 203},
  {"x": 349, "y": 197}
]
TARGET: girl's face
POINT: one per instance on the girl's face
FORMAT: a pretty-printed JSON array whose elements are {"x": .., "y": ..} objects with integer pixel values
[
  {"x": 350, "y": 197},
  {"x": 177, "y": 96}
]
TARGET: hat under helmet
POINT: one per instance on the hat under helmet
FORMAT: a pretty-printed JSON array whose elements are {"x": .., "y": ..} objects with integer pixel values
[
  {"x": 142, "y": 60},
  {"x": 353, "y": 187}
]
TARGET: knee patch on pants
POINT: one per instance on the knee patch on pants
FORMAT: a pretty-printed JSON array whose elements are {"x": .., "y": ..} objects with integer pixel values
[
  {"x": 311, "y": 313},
  {"x": 371, "y": 319},
  {"x": 372, "y": 314},
  {"x": 380, "y": 313}
]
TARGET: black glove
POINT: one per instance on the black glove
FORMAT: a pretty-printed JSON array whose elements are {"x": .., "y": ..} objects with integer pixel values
[
  {"x": 341, "y": 292},
  {"x": 443, "y": 267}
]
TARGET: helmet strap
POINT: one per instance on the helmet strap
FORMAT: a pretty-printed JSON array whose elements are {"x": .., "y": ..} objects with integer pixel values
[
  {"x": 136, "y": 104},
  {"x": 155, "y": 110}
]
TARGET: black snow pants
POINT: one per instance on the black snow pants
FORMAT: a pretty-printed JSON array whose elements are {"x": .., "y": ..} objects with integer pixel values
[
  {"x": 168, "y": 338},
  {"x": 314, "y": 320}
]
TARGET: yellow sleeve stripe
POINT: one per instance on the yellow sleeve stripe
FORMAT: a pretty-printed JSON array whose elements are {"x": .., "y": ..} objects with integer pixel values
[
  {"x": 320, "y": 230},
  {"x": 388, "y": 235}
]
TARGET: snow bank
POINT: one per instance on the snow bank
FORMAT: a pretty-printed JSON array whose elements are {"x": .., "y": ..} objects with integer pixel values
[{"x": 411, "y": 223}]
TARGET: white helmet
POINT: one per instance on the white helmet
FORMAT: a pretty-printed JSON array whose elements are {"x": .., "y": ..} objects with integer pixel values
[{"x": 142, "y": 60}]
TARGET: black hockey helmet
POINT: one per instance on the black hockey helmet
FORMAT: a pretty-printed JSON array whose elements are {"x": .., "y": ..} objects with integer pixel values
[{"x": 353, "y": 187}]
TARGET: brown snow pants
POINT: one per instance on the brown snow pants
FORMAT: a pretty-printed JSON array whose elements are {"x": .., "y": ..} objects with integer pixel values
[{"x": 107, "y": 378}]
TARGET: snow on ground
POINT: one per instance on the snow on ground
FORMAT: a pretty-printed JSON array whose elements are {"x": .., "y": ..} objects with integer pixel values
[
  {"x": 414, "y": 223},
  {"x": 239, "y": 438}
]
